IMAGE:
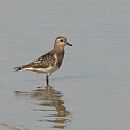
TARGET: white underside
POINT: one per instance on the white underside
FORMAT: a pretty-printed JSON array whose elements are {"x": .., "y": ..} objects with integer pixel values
[{"x": 48, "y": 70}]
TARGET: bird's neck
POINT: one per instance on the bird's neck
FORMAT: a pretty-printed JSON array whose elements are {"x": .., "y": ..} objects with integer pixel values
[{"x": 59, "y": 50}]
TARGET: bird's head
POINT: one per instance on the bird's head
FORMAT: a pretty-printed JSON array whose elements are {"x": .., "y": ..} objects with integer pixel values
[{"x": 61, "y": 42}]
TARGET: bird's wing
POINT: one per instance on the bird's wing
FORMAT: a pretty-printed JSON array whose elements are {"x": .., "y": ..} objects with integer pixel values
[{"x": 44, "y": 61}]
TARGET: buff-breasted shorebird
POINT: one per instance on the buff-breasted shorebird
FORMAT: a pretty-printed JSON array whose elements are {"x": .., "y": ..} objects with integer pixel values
[{"x": 49, "y": 62}]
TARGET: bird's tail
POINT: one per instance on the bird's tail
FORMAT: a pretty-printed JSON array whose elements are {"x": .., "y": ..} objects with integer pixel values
[{"x": 17, "y": 68}]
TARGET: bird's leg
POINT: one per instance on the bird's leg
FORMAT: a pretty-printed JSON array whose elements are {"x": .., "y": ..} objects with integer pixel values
[{"x": 47, "y": 81}]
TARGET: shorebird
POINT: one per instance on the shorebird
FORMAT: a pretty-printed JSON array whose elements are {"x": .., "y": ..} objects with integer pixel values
[{"x": 49, "y": 62}]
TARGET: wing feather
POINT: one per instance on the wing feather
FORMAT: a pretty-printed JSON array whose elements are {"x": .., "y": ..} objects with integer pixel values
[{"x": 44, "y": 61}]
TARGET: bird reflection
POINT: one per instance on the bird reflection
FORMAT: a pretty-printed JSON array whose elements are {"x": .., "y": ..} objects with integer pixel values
[{"x": 50, "y": 100}]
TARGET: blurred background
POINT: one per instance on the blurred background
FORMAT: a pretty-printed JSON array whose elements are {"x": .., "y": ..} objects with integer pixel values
[{"x": 91, "y": 90}]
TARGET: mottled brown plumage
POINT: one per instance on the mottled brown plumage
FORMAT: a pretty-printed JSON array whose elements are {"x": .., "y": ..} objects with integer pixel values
[{"x": 49, "y": 62}]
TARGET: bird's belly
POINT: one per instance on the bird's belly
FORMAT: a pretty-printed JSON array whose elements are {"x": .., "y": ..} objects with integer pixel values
[
  {"x": 48, "y": 70},
  {"x": 51, "y": 69}
]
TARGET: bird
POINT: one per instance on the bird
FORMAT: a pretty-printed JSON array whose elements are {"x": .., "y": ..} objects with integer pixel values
[{"x": 49, "y": 62}]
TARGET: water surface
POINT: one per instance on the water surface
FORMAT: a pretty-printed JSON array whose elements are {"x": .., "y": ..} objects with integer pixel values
[{"x": 91, "y": 90}]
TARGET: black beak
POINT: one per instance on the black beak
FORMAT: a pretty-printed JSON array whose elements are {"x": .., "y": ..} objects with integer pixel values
[{"x": 69, "y": 44}]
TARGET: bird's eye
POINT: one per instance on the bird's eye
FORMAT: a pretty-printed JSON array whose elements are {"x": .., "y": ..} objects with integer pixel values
[{"x": 61, "y": 40}]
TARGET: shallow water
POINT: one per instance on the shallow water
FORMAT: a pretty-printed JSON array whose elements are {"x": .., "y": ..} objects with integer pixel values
[{"x": 91, "y": 90}]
